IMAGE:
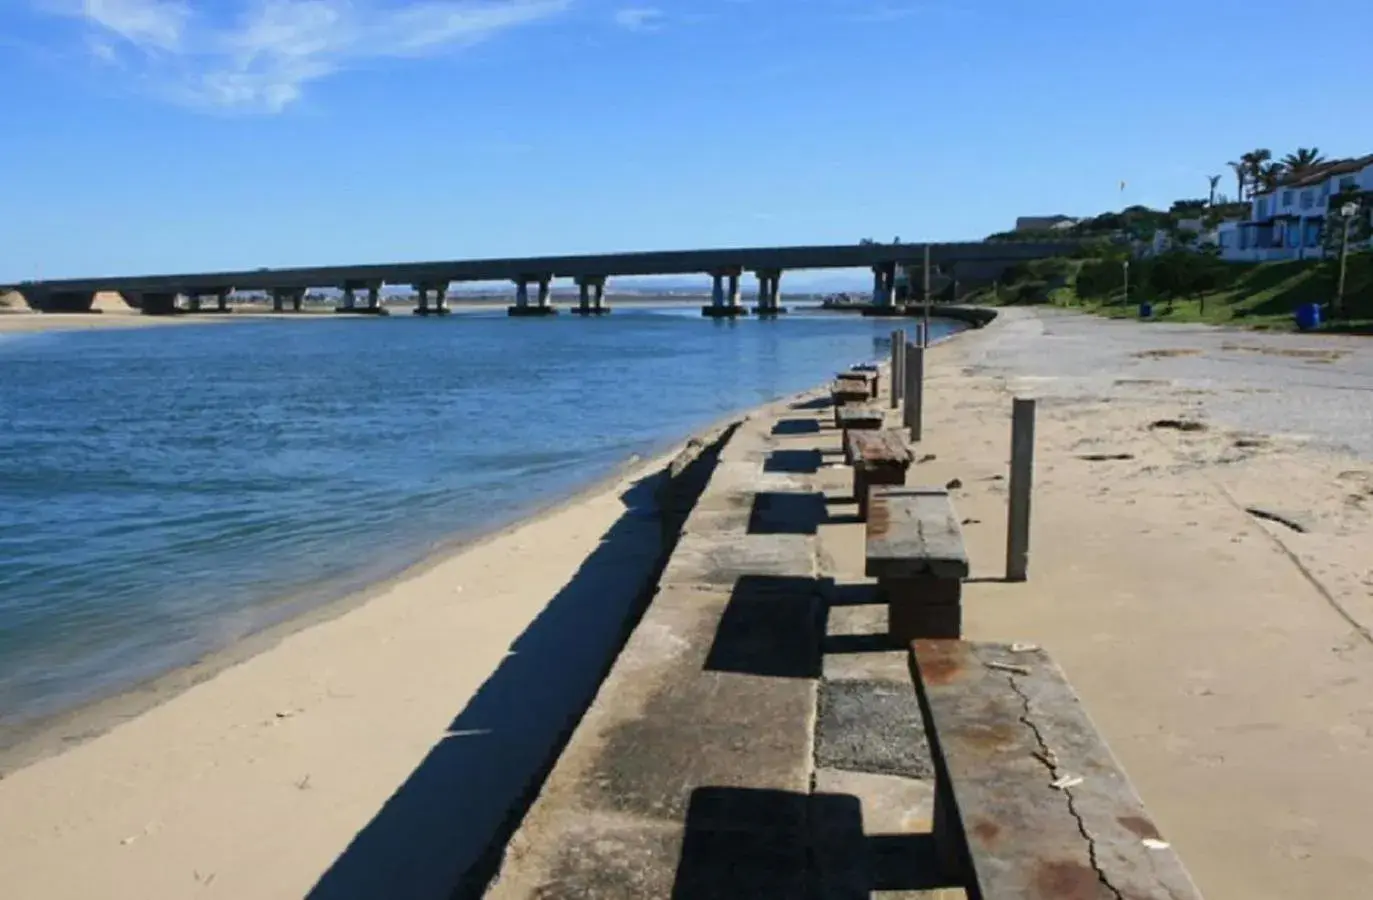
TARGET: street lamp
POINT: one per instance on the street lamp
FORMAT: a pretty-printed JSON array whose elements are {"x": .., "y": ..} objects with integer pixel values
[{"x": 1347, "y": 212}]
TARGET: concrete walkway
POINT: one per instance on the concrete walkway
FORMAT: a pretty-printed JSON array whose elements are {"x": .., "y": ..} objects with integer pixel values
[{"x": 759, "y": 735}]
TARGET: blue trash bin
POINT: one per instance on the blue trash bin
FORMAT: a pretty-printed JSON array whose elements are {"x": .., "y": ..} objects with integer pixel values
[
  {"x": 1146, "y": 310},
  {"x": 1309, "y": 316}
]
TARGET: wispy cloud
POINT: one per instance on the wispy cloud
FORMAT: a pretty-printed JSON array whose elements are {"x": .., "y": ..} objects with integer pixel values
[
  {"x": 639, "y": 18},
  {"x": 262, "y": 57}
]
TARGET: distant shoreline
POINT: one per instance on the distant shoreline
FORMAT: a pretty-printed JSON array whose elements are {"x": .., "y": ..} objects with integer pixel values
[{"x": 19, "y": 321}]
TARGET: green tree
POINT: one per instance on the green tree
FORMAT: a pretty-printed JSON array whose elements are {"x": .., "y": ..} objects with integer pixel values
[
  {"x": 1269, "y": 174},
  {"x": 1305, "y": 158},
  {"x": 1215, "y": 183},
  {"x": 1256, "y": 164}
]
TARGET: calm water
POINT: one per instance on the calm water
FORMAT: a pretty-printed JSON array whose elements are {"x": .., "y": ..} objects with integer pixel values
[{"x": 166, "y": 491}]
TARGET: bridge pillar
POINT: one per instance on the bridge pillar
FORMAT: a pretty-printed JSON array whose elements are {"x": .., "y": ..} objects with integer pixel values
[
  {"x": 724, "y": 301},
  {"x": 195, "y": 300},
  {"x": 422, "y": 290},
  {"x": 374, "y": 297},
  {"x": 883, "y": 290},
  {"x": 350, "y": 298},
  {"x": 280, "y": 296},
  {"x": 591, "y": 296},
  {"x": 769, "y": 292},
  {"x": 158, "y": 303},
  {"x": 541, "y": 306},
  {"x": 440, "y": 289}
]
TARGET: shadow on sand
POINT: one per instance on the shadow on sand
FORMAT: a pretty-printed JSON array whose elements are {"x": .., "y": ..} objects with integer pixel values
[{"x": 440, "y": 835}]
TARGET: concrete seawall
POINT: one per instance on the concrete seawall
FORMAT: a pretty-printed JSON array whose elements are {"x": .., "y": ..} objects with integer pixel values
[{"x": 727, "y": 746}]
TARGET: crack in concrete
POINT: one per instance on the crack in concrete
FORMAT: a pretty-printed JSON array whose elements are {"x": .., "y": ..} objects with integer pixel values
[{"x": 1047, "y": 756}]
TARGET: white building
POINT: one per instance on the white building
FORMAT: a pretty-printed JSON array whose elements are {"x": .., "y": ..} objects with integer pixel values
[{"x": 1288, "y": 222}]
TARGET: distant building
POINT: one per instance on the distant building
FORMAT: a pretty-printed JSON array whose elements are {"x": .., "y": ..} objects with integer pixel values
[
  {"x": 1044, "y": 223},
  {"x": 1289, "y": 221}
]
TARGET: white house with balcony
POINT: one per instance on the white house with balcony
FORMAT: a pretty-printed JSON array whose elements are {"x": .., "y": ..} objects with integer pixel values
[{"x": 1288, "y": 222}]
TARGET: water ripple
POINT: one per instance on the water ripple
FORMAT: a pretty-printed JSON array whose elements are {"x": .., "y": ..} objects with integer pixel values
[{"x": 165, "y": 492}]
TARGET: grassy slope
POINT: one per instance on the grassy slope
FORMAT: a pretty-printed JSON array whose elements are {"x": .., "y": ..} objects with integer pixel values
[{"x": 1264, "y": 297}]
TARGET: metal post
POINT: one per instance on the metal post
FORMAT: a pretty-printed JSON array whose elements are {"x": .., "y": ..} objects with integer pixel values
[
  {"x": 898, "y": 382},
  {"x": 914, "y": 365},
  {"x": 1022, "y": 474},
  {"x": 1344, "y": 258},
  {"x": 925, "y": 332}
]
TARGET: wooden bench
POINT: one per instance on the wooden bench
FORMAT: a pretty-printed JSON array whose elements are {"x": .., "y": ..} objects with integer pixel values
[
  {"x": 1029, "y": 801},
  {"x": 845, "y": 391},
  {"x": 915, "y": 551},
  {"x": 859, "y": 416},
  {"x": 863, "y": 377},
  {"x": 878, "y": 458}
]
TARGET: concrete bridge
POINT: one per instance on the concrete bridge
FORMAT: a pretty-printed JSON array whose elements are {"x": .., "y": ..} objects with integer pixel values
[{"x": 158, "y": 294}]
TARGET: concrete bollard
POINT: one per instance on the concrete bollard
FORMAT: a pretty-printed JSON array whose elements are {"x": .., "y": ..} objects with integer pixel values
[
  {"x": 1022, "y": 476},
  {"x": 897, "y": 376},
  {"x": 914, "y": 365}
]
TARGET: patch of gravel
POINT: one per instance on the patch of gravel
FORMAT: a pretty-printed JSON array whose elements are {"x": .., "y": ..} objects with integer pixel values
[{"x": 871, "y": 726}]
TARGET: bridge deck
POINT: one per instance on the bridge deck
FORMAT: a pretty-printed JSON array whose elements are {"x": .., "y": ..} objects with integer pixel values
[{"x": 676, "y": 262}]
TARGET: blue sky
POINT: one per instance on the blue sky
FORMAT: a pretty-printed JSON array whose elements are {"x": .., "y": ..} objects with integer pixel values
[{"x": 166, "y": 135}]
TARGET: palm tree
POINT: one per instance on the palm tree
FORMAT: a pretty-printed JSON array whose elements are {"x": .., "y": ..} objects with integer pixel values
[
  {"x": 1241, "y": 170},
  {"x": 1256, "y": 164},
  {"x": 1269, "y": 174},
  {"x": 1215, "y": 182},
  {"x": 1304, "y": 159}
]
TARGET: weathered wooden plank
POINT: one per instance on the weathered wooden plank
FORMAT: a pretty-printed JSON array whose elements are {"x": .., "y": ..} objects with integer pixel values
[
  {"x": 886, "y": 447},
  {"x": 913, "y": 531},
  {"x": 859, "y": 416},
  {"x": 849, "y": 391},
  {"x": 1001, "y": 739}
]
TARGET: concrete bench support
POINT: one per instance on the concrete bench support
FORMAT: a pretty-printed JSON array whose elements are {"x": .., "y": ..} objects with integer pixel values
[
  {"x": 1029, "y": 801},
  {"x": 915, "y": 551},
  {"x": 879, "y": 458}
]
